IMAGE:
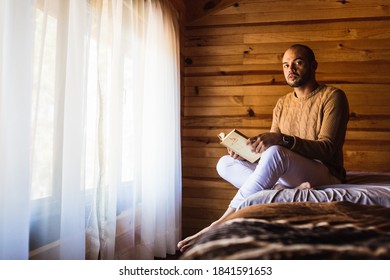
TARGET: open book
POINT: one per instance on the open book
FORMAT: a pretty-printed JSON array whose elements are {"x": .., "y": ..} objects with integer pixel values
[{"x": 236, "y": 141}]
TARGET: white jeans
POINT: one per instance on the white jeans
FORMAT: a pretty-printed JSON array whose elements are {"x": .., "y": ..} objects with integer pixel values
[{"x": 277, "y": 165}]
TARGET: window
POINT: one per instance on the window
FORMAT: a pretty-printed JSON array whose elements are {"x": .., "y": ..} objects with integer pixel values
[{"x": 43, "y": 105}]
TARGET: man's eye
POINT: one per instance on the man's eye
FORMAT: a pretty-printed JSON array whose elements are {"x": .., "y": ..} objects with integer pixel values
[{"x": 298, "y": 62}]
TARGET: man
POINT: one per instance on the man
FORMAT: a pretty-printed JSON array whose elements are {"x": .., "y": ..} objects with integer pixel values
[{"x": 304, "y": 147}]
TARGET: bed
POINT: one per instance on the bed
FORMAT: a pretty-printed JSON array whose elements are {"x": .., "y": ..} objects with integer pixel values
[{"x": 346, "y": 221}]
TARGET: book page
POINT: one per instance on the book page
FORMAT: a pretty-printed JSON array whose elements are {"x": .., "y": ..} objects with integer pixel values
[{"x": 236, "y": 141}]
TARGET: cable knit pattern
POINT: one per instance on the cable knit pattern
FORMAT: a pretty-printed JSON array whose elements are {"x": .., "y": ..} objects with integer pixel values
[{"x": 318, "y": 122}]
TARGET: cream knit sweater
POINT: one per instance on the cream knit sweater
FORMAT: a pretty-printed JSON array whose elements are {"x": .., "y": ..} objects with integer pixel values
[{"x": 318, "y": 122}]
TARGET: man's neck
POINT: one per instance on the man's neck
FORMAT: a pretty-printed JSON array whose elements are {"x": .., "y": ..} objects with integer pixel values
[{"x": 305, "y": 90}]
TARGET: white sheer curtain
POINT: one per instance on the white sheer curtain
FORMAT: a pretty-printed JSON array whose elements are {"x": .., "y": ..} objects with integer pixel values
[
  {"x": 92, "y": 151},
  {"x": 16, "y": 38}
]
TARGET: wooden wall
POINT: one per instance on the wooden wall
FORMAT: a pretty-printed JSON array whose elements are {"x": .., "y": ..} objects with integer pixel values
[{"x": 233, "y": 77}]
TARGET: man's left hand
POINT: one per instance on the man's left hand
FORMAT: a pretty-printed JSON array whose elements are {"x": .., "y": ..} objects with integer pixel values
[{"x": 263, "y": 141}]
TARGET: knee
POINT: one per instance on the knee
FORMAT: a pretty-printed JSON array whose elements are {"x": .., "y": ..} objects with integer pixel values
[
  {"x": 275, "y": 151},
  {"x": 276, "y": 156},
  {"x": 223, "y": 165}
]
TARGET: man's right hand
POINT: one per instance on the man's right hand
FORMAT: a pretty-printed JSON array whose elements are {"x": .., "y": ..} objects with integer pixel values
[{"x": 234, "y": 155}]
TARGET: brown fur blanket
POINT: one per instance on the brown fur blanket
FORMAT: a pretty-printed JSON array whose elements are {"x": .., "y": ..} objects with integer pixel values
[{"x": 331, "y": 230}]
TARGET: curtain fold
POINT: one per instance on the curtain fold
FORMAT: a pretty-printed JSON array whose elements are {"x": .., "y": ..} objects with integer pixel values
[
  {"x": 97, "y": 174},
  {"x": 72, "y": 229},
  {"x": 16, "y": 38},
  {"x": 159, "y": 190}
]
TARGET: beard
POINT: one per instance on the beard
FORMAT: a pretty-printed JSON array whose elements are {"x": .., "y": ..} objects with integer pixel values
[{"x": 298, "y": 81}]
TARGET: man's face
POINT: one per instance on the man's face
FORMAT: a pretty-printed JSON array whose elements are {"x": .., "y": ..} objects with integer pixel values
[{"x": 297, "y": 68}]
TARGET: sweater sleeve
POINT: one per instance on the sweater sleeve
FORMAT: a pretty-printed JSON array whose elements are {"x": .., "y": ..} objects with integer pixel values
[
  {"x": 329, "y": 143},
  {"x": 276, "y": 116}
]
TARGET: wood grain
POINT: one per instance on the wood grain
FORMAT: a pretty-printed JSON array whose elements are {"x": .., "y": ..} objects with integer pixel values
[{"x": 232, "y": 78}]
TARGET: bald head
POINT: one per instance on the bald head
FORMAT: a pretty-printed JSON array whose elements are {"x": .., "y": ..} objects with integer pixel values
[{"x": 308, "y": 52}]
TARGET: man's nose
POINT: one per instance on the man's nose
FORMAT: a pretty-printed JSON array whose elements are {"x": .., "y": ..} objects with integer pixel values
[{"x": 291, "y": 68}]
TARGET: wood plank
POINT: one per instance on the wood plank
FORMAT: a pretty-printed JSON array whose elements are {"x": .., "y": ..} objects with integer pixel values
[
  {"x": 317, "y": 12},
  {"x": 202, "y": 183},
  {"x": 259, "y": 100},
  {"x": 207, "y": 152},
  {"x": 263, "y": 121},
  {"x": 364, "y": 89},
  {"x": 236, "y": 80},
  {"x": 192, "y": 225},
  {"x": 278, "y": 90},
  {"x": 203, "y": 203},
  {"x": 200, "y": 172},
  {"x": 368, "y": 77},
  {"x": 259, "y": 6},
  {"x": 196, "y": 10},
  {"x": 210, "y": 193},
  {"x": 364, "y": 110},
  {"x": 215, "y": 60},
  {"x": 226, "y": 30},
  {"x": 206, "y": 213},
  {"x": 180, "y": 8},
  {"x": 287, "y": 35},
  {"x": 242, "y": 69},
  {"x": 341, "y": 43},
  {"x": 374, "y": 161},
  {"x": 192, "y": 160},
  {"x": 225, "y": 111},
  {"x": 349, "y": 34},
  {"x": 368, "y": 122},
  {"x": 362, "y": 145}
]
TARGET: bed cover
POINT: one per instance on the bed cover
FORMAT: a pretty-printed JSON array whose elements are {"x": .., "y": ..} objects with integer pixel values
[
  {"x": 366, "y": 188},
  {"x": 346, "y": 221}
]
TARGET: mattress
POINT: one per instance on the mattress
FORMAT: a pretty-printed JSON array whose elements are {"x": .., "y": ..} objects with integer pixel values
[{"x": 366, "y": 188}]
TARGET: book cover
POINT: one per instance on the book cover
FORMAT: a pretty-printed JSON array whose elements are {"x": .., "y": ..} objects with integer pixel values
[{"x": 236, "y": 141}]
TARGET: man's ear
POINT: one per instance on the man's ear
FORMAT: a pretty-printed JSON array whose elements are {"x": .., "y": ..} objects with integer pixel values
[{"x": 314, "y": 64}]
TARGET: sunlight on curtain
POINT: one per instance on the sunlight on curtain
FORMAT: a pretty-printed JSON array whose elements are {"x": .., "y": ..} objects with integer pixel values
[
  {"x": 135, "y": 94},
  {"x": 160, "y": 180},
  {"x": 104, "y": 118},
  {"x": 57, "y": 220},
  {"x": 16, "y": 38}
]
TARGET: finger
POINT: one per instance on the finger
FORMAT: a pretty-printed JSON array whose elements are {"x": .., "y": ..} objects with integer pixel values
[
  {"x": 253, "y": 145},
  {"x": 185, "y": 247},
  {"x": 253, "y": 139},
  {"x": 260, "y": 148}
]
